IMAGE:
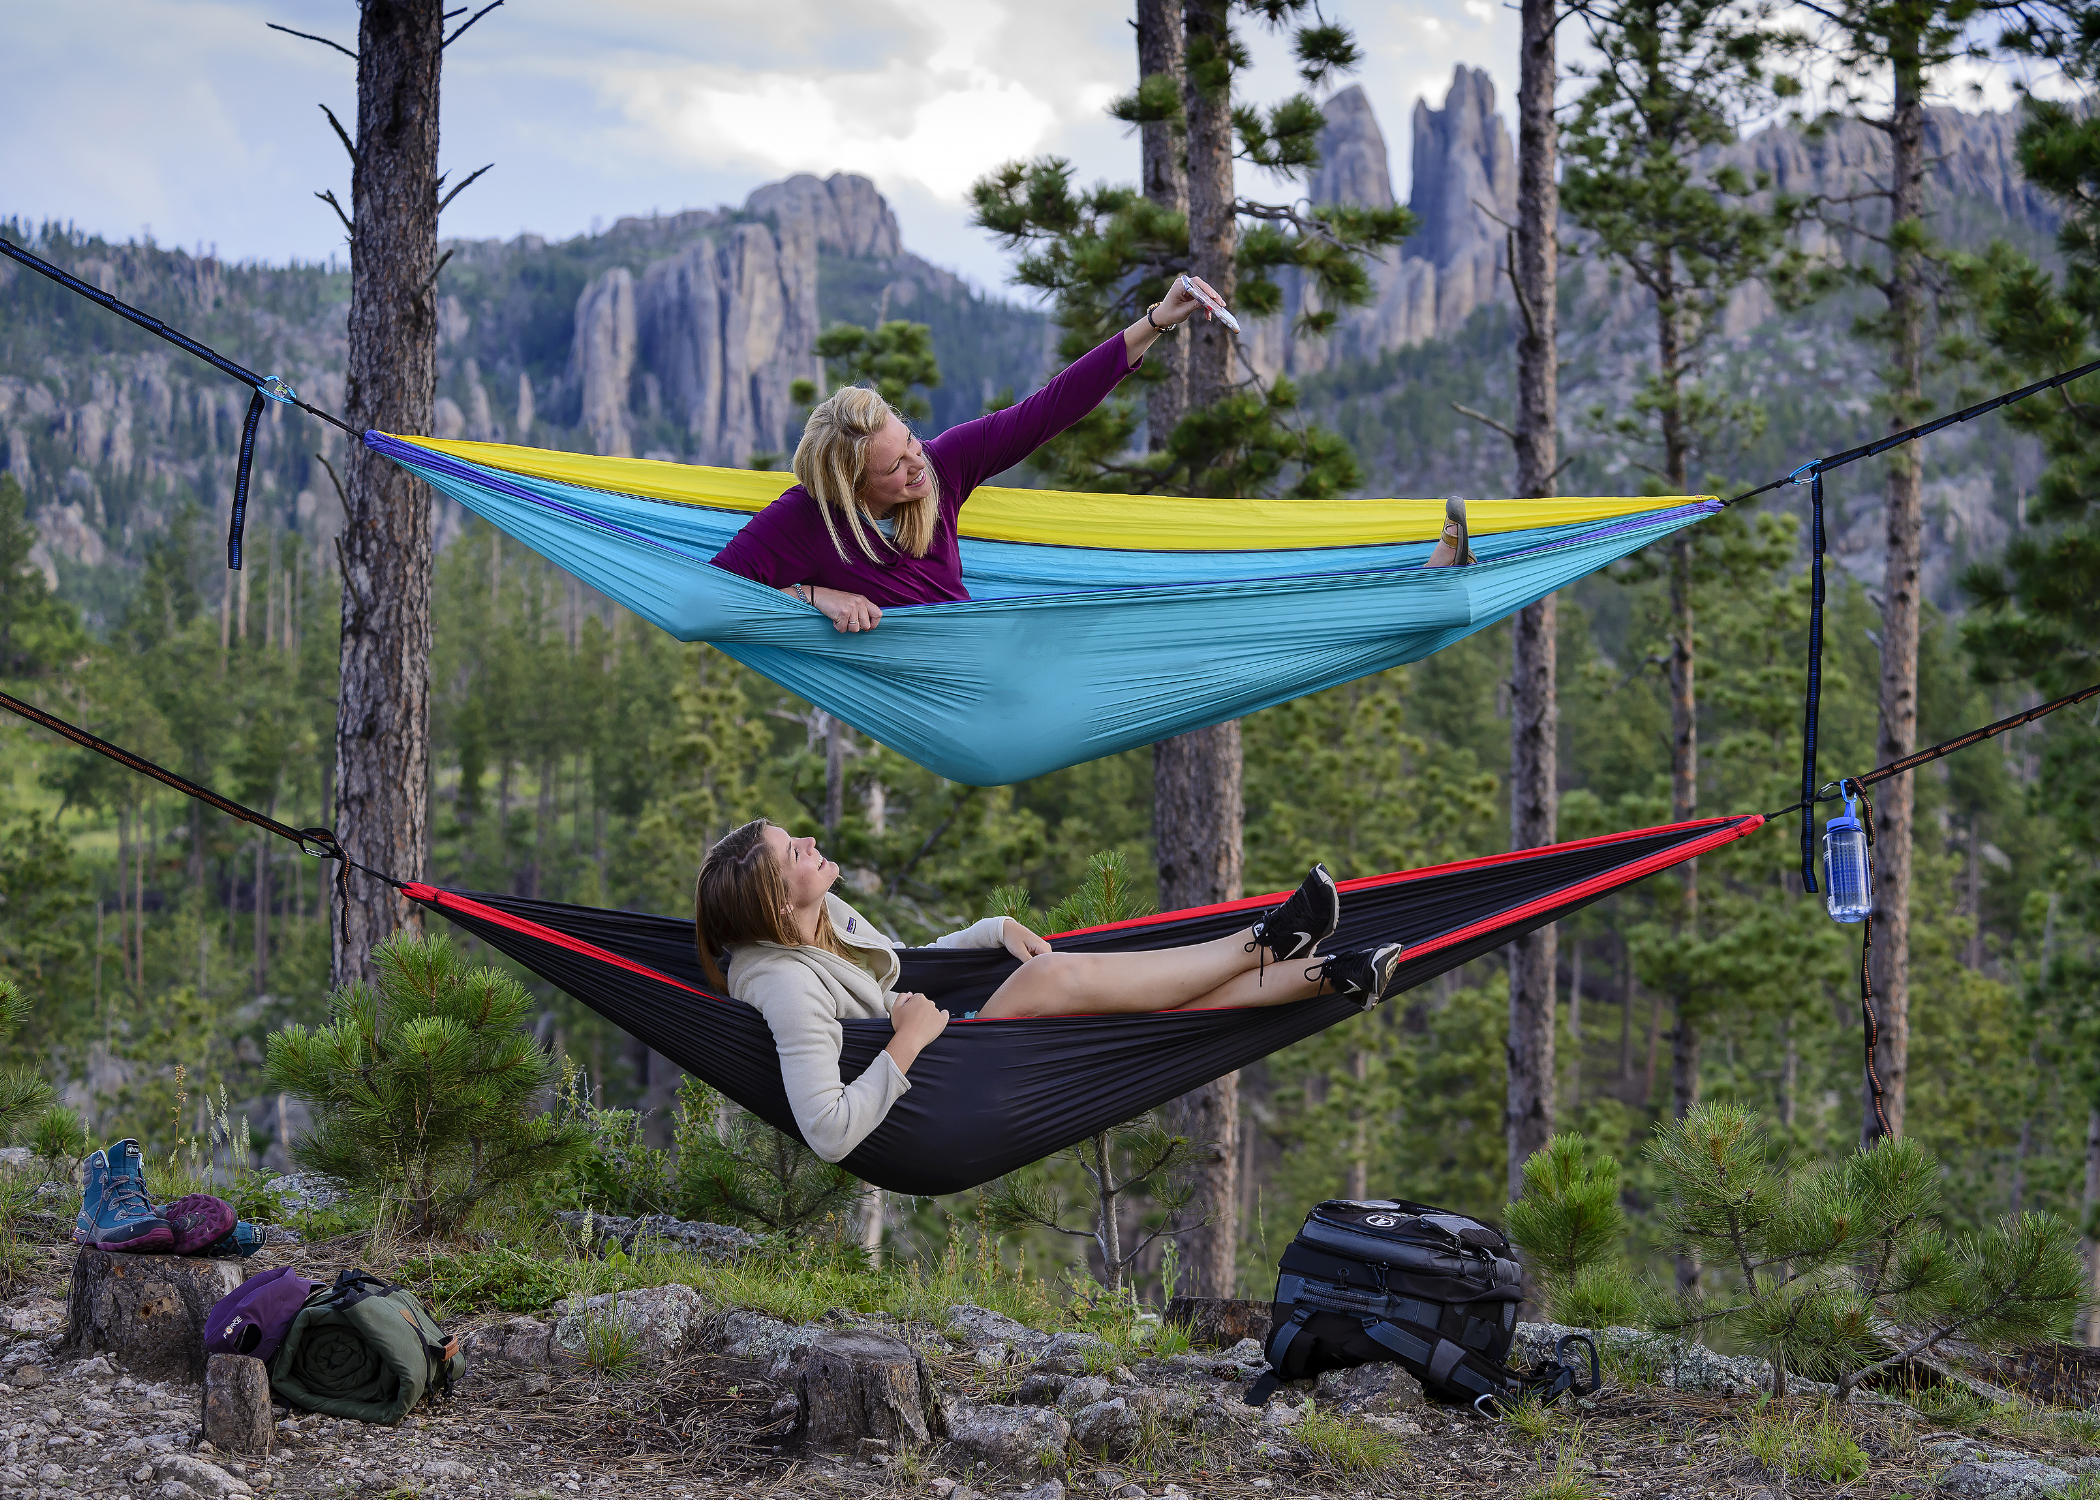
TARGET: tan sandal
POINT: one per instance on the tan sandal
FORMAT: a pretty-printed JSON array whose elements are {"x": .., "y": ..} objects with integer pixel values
[{"x": 1455, "y": 549}]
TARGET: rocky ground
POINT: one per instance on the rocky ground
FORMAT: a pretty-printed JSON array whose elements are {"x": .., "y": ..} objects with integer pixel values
[{"x": 690, "y": 1399}]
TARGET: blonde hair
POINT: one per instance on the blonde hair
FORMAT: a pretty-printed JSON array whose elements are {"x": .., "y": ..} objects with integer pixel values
[
  {"x": 742, "y": 897},
  {"x": 832, "y": 460}
]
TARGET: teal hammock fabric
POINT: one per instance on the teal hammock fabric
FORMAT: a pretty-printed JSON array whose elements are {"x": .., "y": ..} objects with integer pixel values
[{"x": 1064, "y": 653}]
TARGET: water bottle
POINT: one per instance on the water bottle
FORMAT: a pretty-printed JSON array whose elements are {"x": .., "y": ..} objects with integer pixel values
[{"x": 1848, "y": 871}]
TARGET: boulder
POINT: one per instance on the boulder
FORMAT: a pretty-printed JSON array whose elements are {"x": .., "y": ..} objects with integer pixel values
[
  {"x": 1041, "y": 1388},
  {"x": 201, "y": 1478},
  {"x": 1222, "y": 1416},
  {"x": 851, "y": 1387},
  {"x": 660, "y": 1234},
  {"x": 2006, "y": 1479},
  {"x": 1109, "y": 1429},
  {"x": 1026, "y": 1441},
  {"x": 1081, "y": 1391},
  {"x": 504, "y": 1348},
  {"x": 1378, "y": 1389},
  {"x": 1220, "y": 1321},
  {"x": 237, "y": 1404},
  {"x": 146, "y": 1312},
  {"x": 980, "y": 1328},
  {"x": 658, "y": 1320}
]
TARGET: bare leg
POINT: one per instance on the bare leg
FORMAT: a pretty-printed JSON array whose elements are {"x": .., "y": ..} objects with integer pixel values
[{"x": 1053, "y": 984}]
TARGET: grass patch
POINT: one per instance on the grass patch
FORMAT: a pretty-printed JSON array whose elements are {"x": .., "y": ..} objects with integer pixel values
[
  {"x": 1564, "y": 1481},
  {"x": 1346, "y": 1446},
  {"x": 1788, "y": 1444},
  {"x": 1530, "y": 1418},
  {"x": 798, "y": 1284},
  {"x": 610, "y": 1347}
]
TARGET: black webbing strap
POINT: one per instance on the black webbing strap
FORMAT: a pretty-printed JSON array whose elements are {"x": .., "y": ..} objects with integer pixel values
[
  {"x": 319, "y": 842},
  {"x": 1923, "y": 429},
  {"x": 1813, "y": 699},
  {"x": 1830, "y": 791},
  {"x": 263, "y": 385},
  {"x": 239, "y": 520}
]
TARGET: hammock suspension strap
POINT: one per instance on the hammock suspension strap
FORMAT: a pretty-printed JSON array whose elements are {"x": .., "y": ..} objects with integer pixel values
[
  {"x": 1813, "y": 699},
  {"x": 321, "y": 843},
  {"x": 263, "y": 385}
]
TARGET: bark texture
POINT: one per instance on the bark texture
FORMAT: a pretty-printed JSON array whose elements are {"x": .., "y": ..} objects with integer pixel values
[
  {"x": 856, "y": 1387},
  {"x": 1198, "y": 817},
  {"x": 382, "y": 741},
  {"x": 1534, "y": 706},
  {"x": 237, "y": 1416},
  {"x": 1162, "y": 52},
  {"x": 2092, "y": 1243},
  {"x": 145, "y": 1311},
  {"x": 1893, "y": 805}
]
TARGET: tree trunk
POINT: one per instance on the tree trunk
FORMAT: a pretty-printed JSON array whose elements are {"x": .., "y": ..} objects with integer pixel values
[
  {"x": 382, "y": 747},
  {"x": 1161, "y": 51},
  {"x": 2092, "y": 1224},
  {"x": 1907, "y": 301},
  {"x": 1110, "y": 1231},
  {"x": 1574, "y": 1028},
  {"x": 1360, "y": 1154},
  {"x": 1197, "y": 816},
  {"x": 1534, "y": 709},
  {"x": 834, "y": 774}
]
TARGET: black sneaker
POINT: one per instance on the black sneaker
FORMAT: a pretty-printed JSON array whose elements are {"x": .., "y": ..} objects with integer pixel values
[
  {"x": 1306, "y": 920},
  {"x": 1365, "y": 975}
]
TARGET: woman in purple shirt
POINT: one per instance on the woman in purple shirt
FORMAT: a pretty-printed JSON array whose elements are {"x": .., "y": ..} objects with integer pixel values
[{"x": 872, "y": 524}]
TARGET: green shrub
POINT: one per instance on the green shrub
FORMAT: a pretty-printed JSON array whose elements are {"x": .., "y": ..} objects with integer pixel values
[
  {"x": 1822, "y": 1264},
  {"x": 1571, "y": 1229},
  {"x": 734, "y": 1168},
  {"x": 423, "y": 1088},
  {"x": 60, "y": 1140},
  {"x": 23, "y": 1095},
  {"x": 619, "y": 1172}
]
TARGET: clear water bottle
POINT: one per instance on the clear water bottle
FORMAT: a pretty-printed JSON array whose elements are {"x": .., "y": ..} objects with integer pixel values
[{"x": 1848, "y": 869}]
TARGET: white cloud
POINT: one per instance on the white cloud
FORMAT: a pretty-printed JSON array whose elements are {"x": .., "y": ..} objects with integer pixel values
[{"x": 191, "y": 117}]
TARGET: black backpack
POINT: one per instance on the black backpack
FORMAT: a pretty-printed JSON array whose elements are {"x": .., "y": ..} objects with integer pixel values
[{"x": 1433, "y": 1291}]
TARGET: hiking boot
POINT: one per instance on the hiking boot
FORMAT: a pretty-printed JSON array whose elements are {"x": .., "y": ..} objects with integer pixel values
[
  {"x": 1365, "y": 975},
  {"x": 114, "y": 1213},
  {"x": 1303, "y": 922},
  {"x": 198, "y": 1221}
]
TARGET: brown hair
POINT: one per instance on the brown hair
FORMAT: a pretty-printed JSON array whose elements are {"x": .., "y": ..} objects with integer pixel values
[
  {"x": 742, "y": 897},
  {"x": 832, "y": 460}
]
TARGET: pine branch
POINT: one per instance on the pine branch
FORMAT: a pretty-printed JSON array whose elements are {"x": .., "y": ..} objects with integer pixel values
[
  {"x": 343, "y": 136},
  {"x": 1485, "y": 420},
  {"x": 448, "y": 41},
  {"x": 329, "y": 198},
  {"x": 307, "y": 36},
  {"x": 446, "y": 201}
]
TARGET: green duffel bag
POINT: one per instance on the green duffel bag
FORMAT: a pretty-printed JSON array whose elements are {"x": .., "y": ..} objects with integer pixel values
[{"x": 364, "y": 1349}]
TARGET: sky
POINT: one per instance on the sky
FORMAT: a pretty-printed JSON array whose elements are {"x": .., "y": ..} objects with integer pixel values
[{"x": 192, "y": 122}]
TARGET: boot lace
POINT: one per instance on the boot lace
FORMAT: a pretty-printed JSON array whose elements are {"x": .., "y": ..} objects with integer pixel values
[{"x": 124, "y": 1198}]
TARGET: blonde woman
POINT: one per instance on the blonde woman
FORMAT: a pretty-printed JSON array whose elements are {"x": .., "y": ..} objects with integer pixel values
[
  {"x": 807, "y": 961},
  {"x": 872, "y": 522}
]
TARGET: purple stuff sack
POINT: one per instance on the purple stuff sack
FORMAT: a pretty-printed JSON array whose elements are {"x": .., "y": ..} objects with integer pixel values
[{"x": 254, "y": 1318}]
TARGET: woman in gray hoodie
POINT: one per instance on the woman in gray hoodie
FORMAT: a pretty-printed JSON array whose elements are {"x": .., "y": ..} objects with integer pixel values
[{"x": 807, "y": 961}]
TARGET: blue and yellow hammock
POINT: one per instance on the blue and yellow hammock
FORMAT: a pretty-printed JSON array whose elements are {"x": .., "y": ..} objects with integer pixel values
[{"x": 1096, "y": 623}]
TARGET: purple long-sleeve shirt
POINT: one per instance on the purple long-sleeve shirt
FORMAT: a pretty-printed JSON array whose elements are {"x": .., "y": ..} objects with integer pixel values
[{"x": 787, "y": 543}]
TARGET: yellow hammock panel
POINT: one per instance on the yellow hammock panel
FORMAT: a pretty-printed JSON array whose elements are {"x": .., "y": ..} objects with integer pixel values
[{"x": 1067, "y": 518}]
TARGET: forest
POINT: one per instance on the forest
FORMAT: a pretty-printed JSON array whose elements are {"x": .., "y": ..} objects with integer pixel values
[{"x": 578, "y": 755}]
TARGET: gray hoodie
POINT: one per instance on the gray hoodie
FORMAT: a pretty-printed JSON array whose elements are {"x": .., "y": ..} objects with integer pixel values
[{"x": 805, "y": 992}]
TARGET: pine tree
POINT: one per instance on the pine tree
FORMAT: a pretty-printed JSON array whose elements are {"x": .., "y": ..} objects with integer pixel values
[
  {"x": 424, "y": 1088},
  {"x": 1671, "y": 83}
]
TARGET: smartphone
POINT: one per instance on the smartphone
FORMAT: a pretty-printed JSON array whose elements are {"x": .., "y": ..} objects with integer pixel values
[{"x": 1218, "y": 308}]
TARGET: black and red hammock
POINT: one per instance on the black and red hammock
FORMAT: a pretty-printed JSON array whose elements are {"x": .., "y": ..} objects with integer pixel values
[{"x": 988, "y": 1097}]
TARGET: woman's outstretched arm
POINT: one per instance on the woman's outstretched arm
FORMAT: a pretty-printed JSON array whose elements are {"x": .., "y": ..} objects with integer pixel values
[{"x": 974, "y": 451}]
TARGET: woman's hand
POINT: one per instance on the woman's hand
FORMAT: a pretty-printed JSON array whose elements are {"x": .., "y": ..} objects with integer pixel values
[
  {"x": 850, "y": 613},
  {"x": 915, "y": 1022},
  {"x": 1176, "y": 308},
  {"x": 1020, "y": 942}
]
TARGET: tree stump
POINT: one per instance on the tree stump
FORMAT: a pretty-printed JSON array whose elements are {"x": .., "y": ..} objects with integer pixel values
[
  {"x": 1220, "y": 1321},
  {"x": 237, "y": 1417},
  {"x": 853, "y": 1387},
  {"x": 146, "y": 1312}
]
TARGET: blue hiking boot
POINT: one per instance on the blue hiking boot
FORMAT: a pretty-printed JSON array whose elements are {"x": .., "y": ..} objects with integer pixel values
[{"x": 114, "y": 1213}]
